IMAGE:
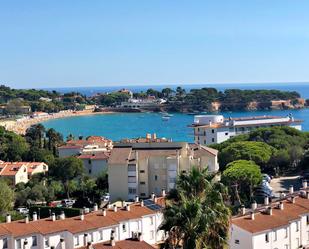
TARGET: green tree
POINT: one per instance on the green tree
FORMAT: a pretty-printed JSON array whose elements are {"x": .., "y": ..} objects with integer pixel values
[
  {"x": 241, "y": 177},
  {"x": 195, "y": 215},
  {"x": 66, "y": 170},
  {"x": 258, "y": 152},
  {"x": 54, "y": 140},
  {"x": 6, "y": 197}
]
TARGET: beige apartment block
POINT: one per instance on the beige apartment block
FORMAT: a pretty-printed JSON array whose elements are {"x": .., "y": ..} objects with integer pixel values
[{"x": 140, "y": 169}]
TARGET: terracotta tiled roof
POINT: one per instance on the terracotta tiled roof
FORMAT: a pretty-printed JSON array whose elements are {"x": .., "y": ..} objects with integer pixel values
[
  {"x": 199, "y": 150},
  {"x": 10, "y": 169},
  {"x": 74, "y": 225},
  {"x": 123, "y": 244},
  {"x": 264, "y": 221}
]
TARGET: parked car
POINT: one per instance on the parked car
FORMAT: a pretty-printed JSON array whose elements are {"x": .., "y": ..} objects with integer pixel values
[
  {"x": 105, "y": 197},
  {"x": 266, "y": 178},
  {"x": 22, "y": 210},
  {"x": 67, "y": 202}
]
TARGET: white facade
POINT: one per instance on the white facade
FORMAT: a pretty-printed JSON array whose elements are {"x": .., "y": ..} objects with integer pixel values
[
  {"x": 211, "y": 129},
  {"x": 77, "y": 232}
]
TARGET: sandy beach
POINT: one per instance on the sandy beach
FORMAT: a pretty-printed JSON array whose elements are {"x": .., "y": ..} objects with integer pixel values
[{"x": 20, "y": 125}]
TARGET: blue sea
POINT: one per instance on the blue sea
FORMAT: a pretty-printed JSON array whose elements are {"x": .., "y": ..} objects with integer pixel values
[{"x": 131, "y": 125}]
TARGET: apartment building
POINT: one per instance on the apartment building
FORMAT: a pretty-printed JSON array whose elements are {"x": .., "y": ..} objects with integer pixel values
[
  {"x": 144, "y": 168},
  {"x": 211, "y": 129},
  {"x": 16, "y": 172},
  {"x": 95, "y": 164},
  {"x": 130, "y": 226},
  {"x": 280, "y": 225}
]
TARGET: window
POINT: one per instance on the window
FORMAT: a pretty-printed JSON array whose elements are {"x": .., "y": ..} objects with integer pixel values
[
  {"x": 101, "y": 235},
  {"x": 237, "y": 241},
  {"x": 156, "y": 178},
  {"x": 18, "y": 244},
  {"x": 46, "y": 242},
  {"x": 132, "y": 167},
  {"x": 91, "y": 237},
  {"x": 132, "y": 191},
  {"x": 275, "y": 235},
  {"x": 142, "y": 171},
  {"x": 151, "y": 234},
  {"x": 89, "y": 171},
  {"x": 297, "y": 226},
  {"x": 286, "y": 246},
  {"x": 212, "y": 131},
  {"x": 307, "y": 218},
  {"x": 124, "y": 229},
  {"x": 297, "y": 242},
  {"x": 204, "y": 141},
  {"x": 34, "y": 241},
  {"x": 151, "y": 220},
  {"x": 213, "y": 140},
  {"x": 76, "y": 240},
  {"x": 131, "y": 179},
  {"x": 184, "y": 172},
  {"x": 142, "y": 183},
  {"x": 266, "y": 237},
  {"x": 286, "y": 232},
  {"x": 5, "y": 243},
  {"x": 226, "y": 133},
  {"x": 204, "y": 133},
  {"x": 143, "y": 194},
  {"x": 89, "y": 161}
]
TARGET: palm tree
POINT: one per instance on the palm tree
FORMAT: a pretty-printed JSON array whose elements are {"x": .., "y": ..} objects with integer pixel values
[
  {"x": 195, "y": 215},
  {"x": 54, "y": 139}
]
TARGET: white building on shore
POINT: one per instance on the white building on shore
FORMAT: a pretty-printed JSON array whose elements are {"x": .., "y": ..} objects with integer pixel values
[{"x": 211, "y": 129}]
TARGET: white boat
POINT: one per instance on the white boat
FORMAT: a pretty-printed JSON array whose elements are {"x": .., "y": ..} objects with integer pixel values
[{"x": 165, "y": 118}]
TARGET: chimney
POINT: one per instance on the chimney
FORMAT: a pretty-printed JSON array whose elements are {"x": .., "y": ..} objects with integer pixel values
[
  {"x": 140, "y": 236},
  {"x": 281, "y": 207},
  {"x": 109, "y": 205},
  {"x": 307, "y": 195},
  {"x": 293, "y": 199},
  {"x": 86, "y": 210},
  {"x": 153, "y": 196},
  {"x": 305, "y": 184},
  {"x": 136, "y": 198},
  {"x": 8, "y": 218},
  {"x": 148, "y": 136},
  {"x": 252, "y": 215},
  {"x": 95, "y": 207},
  {"x": 115, "y": 208},
  {"x": 154, "y": 136},
  {"x": 104, "y": 211},
  {"x": 26, "y": 219},
  {"x": 155, "y": 200},
  {"x": 266, "y": 200},
  {"x": 34, "y": 216},
  {"x": 85, "y": 238},
  {"x": 82, "y": 216},
  {"x": 242, "y": 210},
  {"x": 53, "y": 217},
  {"x": 62, "y": 215},
  {"x": 128, "y": 207},
  {"x": 163, "y": 193},
  {"x": 291, "y": 189},
  {"x": 112, "y": 239},
  {"x": 269, "y": 211},
  {"x": 253, "y": 205},
  {"x": 123, "y": 203},
  {"x": 142, "y": 203}
]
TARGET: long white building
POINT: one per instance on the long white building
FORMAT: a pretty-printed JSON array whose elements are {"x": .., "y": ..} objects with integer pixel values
[
  {"x": 211, "y": 129},
  {"x": 128, "y": 227},
  {"x": 281, "y": 225}
]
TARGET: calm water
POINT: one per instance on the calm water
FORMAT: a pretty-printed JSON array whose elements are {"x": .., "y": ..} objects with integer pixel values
[{"x": 130, "y": 125}]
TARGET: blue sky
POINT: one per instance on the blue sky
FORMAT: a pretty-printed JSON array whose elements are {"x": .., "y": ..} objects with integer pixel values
[{"x": 129, "y": 42}]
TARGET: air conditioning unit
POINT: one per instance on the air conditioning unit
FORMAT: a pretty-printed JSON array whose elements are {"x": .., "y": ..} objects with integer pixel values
[{"x": 134, "y": 235}]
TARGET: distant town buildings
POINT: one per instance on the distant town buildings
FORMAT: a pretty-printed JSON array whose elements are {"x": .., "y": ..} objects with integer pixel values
[
  {"x": 210, "y": 129},
  {"x": 280, "y": 225},
  {"x": 148, "y": 166},
  {"x": 150, "y": 103},
  {"x": 130, "y": 226},
  {"x": 17, "y": 172}
]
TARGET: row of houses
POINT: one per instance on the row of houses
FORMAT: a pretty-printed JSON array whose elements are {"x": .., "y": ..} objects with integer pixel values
[
  {"x": 129, "y": 226},
  {"x": 17, "y": 172}
]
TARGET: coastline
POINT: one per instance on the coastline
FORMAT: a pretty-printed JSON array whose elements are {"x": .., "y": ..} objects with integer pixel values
[{"x": 20, "y": 125}]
